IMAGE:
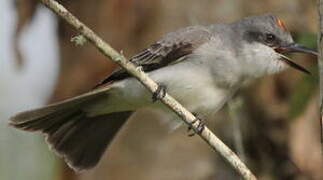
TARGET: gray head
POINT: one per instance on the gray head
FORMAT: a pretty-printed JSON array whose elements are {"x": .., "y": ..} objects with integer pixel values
[{"x": 269, "y": 33}]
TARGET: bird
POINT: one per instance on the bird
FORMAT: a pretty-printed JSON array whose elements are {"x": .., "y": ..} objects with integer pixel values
[{"x": 201, "y": 66}]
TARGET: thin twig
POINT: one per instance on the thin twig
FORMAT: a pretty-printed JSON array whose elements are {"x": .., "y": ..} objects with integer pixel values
[
  {"x": 188, "y": 117},
  {"x": 320, "y": 47}
]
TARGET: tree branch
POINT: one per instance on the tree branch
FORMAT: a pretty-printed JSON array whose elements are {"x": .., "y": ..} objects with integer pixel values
[
  {"x": 169, "y": 101},
  {"x": 320, "y": 58}
]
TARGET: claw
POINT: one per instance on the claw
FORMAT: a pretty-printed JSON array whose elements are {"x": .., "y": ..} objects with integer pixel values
[
  {"x": 200, "y": 126},
  {"x": 159, "y": 93}
]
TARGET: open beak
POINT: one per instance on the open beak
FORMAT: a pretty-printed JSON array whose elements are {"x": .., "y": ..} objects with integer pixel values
[
  {"x": 290, "y": 63},
  {"x": 294, "y": 47}
]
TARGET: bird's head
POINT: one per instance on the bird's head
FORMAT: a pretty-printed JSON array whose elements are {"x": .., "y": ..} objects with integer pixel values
[{"x": 265, "y": 39}]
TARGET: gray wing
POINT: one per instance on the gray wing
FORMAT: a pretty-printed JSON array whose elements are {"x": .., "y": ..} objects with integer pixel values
[{"x": 172, "y": 48}]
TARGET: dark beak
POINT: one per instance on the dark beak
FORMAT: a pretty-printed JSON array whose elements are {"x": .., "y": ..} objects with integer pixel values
[
  {"x": 290, "y": 63},
  {"x": 294, "y": 47}
]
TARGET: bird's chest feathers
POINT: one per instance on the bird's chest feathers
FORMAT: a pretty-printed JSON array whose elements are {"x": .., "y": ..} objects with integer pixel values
[
  {"x": 221, "y": 62},
  {"x": 258, "y": 60},
  {"x": 195, "y": 88}
]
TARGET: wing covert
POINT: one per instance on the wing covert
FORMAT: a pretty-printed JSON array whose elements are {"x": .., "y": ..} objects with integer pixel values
[{"x": 169, "y": 49}]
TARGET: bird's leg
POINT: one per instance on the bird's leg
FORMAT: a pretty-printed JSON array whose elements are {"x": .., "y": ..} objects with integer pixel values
[
  {"x": 200, "y": 125},
  {"x": 159, "y": 93}
]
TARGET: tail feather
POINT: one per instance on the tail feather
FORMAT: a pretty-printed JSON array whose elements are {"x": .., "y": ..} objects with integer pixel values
[
  {"x": 79, "y": 139},
  {"x": 60, "y": 107},
  {"x": 82, "y": 140},
  {"x": 49, "y": 121}
]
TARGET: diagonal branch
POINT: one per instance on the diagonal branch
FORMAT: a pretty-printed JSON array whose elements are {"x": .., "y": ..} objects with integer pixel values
[{"x": 169, "y": 101}]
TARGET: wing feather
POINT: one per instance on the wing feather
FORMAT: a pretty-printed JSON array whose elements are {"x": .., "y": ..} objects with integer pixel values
[{"x": 168, "y": 50}]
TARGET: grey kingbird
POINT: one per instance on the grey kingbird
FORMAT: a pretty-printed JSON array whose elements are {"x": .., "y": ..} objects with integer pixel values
[{"x": 201, "y": 67}]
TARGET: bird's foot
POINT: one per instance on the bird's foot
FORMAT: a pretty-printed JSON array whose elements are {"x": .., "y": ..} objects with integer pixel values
[
  {"x": 200, "y": 126},
  {"x": 159, "y": 93}
]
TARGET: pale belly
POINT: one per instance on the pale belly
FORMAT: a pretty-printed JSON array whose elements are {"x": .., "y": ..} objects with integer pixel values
[{"x": 194, "y": 88}]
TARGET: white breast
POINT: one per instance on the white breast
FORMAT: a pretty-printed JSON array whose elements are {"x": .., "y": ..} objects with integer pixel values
[{"x": 258, "y": 60}]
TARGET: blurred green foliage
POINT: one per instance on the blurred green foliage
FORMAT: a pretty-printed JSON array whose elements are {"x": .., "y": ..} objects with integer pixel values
[{"x": 305, "y": 87}]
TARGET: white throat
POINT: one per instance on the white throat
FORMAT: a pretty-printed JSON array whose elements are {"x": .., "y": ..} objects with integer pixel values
[{"x": 259, "y": 60}]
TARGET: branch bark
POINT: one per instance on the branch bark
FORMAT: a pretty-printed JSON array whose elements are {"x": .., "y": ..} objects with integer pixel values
[
  {"x": 169, "y": 101},
  {"x": 320, "y": 48}
]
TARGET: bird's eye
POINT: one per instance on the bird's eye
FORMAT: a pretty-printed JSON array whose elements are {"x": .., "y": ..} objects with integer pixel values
[{"x": 270, "y": 38}]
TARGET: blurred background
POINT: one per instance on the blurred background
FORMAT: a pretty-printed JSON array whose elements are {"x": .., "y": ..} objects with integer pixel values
[{"x": 272, "y": 124}]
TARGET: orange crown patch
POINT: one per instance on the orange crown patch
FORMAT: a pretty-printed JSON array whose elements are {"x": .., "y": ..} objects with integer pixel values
[{"x": 281, "y": 24}]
